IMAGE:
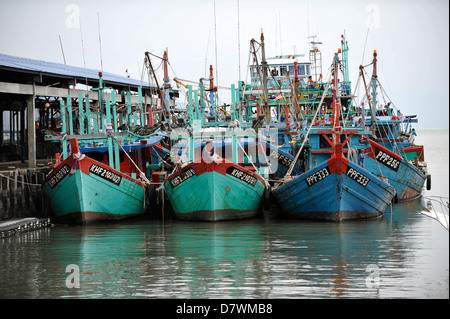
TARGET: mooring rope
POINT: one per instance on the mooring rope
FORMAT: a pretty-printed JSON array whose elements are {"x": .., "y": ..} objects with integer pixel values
[{"x": 22, "y": 182}]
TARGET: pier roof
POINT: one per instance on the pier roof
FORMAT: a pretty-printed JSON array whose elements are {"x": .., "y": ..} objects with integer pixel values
[{"x": 46, "y": 72}]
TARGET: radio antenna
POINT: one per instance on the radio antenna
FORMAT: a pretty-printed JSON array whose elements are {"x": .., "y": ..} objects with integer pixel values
[
  {"x": 62, "y": 50},
  {"x": 82, "y": 49},
  {"x": 100, "y": 40}
]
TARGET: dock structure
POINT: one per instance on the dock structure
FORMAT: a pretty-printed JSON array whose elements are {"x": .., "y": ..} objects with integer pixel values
[
  {"x": 20, "y": 190},
  {"x": 31, "y": 95},
  {"x": 17, "y": 225}
]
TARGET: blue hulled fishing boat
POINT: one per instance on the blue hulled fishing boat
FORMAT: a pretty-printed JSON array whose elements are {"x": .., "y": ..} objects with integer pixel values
[{"x": 337, "y": 189}]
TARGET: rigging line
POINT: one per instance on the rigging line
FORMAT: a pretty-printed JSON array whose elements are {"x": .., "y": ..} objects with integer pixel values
[
  {"x": 142, "y": 72},
  {"x": 215, "y": 40},
  {"x": 288, "y": 174},
  {"x": 248, "y": 70},
  {"x": 141, "y": 174},
  {"x": 172, "y": 68},
  {"x": 155, "y": 55},
  {"x": 367, "y": 35},
  {"x": 62, "y": 49},
  {"x": 294, "y": 99},
  {"x": 206, "y": 55}
]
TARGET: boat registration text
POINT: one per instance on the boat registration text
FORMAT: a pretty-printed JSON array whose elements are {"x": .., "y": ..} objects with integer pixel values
[
  {"x": 105, "y": 174},
  {"x": 183, "y": 176},
  {"x": 56, "y": 178},
  {"x": 357, "y": 176},
  {"x": 317, "y": 176},
  {"x": 386, "y": 159},
  {"x": 243, "y": 176}
]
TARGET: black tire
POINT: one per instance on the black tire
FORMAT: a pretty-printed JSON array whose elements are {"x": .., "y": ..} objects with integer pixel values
[
  {"x": 152, "y": 194},
  {"x": 428, "y": 182},
  {"x": 266, "y": 199}
]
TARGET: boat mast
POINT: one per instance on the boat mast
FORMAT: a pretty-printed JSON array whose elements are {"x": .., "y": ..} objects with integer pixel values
[
  {"x": 296, "y": 94},
  {"x": 372, "y": 114},
  {"x": 374, "y": 83},
  {"x": 161, "y": 92},
  {"x": 335, "y": 104},
  {"x": 315, "y": 57},
  {"x": 344, "y": 47},
  {"x": 264, "y": 81},
  {"x": 166, "y": 85}
]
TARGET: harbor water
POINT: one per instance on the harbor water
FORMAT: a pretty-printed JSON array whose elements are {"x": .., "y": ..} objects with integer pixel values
[{"x": 404, "y": 254}]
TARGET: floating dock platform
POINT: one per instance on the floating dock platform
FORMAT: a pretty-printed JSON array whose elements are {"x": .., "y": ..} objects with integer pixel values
[{"x": 17, "y": 225}]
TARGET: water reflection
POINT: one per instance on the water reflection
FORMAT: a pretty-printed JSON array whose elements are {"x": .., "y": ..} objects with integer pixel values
[{"x": 386, "y": 258}]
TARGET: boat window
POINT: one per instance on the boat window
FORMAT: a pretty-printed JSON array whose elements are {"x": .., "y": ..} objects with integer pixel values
[
  {"x": 283, "y": 70},
  {"x": 274, "y": 71},
  {"x": 291, "y": 70},
  {"x": 301, "y": 70}
]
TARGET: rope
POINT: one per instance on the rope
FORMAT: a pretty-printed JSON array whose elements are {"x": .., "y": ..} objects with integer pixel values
[
  {"x": 251, "y": 162},
  {"x": 141, "y": 174},
  {"x": 22, "y": 182},
  {"x": 288, "y": 174}
]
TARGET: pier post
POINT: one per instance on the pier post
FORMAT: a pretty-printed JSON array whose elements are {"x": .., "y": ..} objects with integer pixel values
[
  {"x": 31, "y": 131},
  {"x": 233, "y": 103},
  {"x": 130, "y": 122},
  {"x": 88, "y": 114},
  {"x": 190, "y": 104},
  {"x": 69, "y": 113},
  {"x": 196, "y": 108},
  {"x": 63, "y": 129},
  {"x": 109, "y": 129},
  {"x": 81, "y": 113}
]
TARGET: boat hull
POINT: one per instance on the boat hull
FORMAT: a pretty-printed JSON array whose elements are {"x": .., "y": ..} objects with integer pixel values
[
  {"x": 86, "y": 190},
  {"x": 407, "y": 179},
  {"x": 335, "y": 190},
  {"x": 214, "y": 192}
]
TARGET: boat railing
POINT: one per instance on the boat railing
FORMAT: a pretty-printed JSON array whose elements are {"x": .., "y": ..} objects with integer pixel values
[{"x": 437, "y": 207}]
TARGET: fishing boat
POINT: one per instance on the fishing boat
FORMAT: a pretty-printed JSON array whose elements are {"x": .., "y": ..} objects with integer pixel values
[
  {"x": 210, "y": 185},
  {"x": 406, "y": 178},
  {"x": 82, "y": 190},
  {"x": 104, "y": 171},
  {"x": 336, "y": 189},
  {"x": 310, "y": 101},
  {"x": 393, "y": 153},
  {"x": 214, "y": 189}
]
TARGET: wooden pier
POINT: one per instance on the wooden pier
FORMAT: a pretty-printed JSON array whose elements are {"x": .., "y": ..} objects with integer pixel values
[{"x": 20, "y": 190}]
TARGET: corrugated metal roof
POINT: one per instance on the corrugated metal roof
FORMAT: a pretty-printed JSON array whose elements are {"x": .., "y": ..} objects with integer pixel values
[{"x": 7, "y": 61}]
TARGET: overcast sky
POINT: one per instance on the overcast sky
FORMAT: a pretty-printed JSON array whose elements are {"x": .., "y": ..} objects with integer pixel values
[{"x": 410, "y": 36}]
